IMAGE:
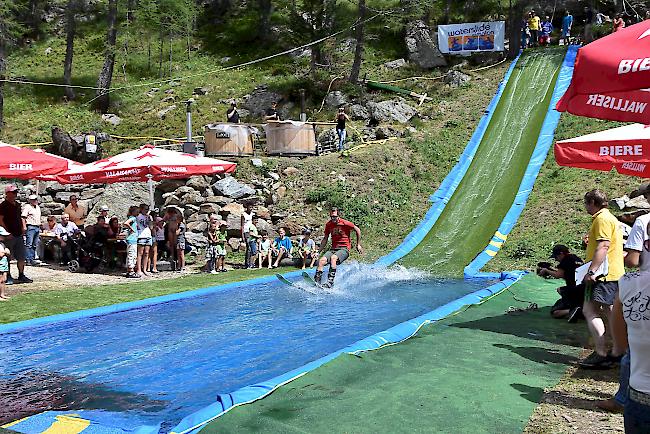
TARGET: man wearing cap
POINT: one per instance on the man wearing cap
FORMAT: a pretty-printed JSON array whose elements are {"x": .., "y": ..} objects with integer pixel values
[
  {"x": 11, "y": 220},
  {"x": 32, "y": 216},
  {"x": 572, "y": 295},
  {"x": 77, "y": 212},
  {"x": 103, "y": 212}
]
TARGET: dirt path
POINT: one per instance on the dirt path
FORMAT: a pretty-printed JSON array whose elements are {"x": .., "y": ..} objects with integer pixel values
[{"x": 570, "y": 407}]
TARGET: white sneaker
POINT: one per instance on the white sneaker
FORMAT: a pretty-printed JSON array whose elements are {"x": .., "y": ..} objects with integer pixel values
[{"x": 214, "y": 272}]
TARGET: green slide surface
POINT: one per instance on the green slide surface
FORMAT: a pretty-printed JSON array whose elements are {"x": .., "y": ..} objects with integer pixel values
[{"x": 487, "y": 191}]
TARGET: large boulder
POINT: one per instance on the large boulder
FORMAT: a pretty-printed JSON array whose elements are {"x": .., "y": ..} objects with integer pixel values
[
  {"x": 422, "y": 46},
  {"x": 395, "y": 64},
  {"x": 169, "y": 185},
  {"x": 196, "y": 239},
  {"x": 73, "y": 148},
  {"x": 120, "y": 195},
  {"x": 230, "y": 187},
  {"x": 335, "y": 99},
  {"x": 391, "y": 110},
  {"x": 193, "y": 198},
  {"x": 260, "y": 100},
  {"x": 359, "y": 113},
  {"x": 328, "y": 139},
  {"x": 199, "y": 183},
  {"x": 456, "y": 78}
]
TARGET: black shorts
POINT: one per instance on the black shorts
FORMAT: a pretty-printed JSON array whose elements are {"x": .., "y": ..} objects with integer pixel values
[
  {"x": 602, "y": 292},
  {"x": 16, "y": 246},
  {"x": 341, "y": 255}
]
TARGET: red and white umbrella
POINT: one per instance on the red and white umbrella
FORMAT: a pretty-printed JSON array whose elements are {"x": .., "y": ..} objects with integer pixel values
[
  {"x": 144, "y": 164},
  {"x": 627, "y": 149},
  {"x": 611, "y": 77},
  {"x": 24, "y": 163}
]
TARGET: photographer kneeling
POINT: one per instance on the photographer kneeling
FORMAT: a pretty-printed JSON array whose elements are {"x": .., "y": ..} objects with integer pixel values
[{"x": 572, "y": 296}]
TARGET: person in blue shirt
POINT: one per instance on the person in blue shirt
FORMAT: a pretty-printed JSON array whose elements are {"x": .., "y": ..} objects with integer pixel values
[
  {"x": 131, "y": 228},
  {"x": 281, "y": 247},
  {"x": 547, "y": 28},
  {"x": 567, "y": 23}
]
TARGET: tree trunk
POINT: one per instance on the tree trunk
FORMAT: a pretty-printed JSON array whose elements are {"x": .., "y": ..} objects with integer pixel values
[
  {"x": 447, "y": 11},
  {"x": 358, "y": 52},
  {"x": 130, "y": 6},
  {"x": 2, "y": 77},
  {"x": 106, "y": 75},
  {"x": 264, "y": 30},
  {"x": 515, "y": 12},
  {"x": 161, "y": 43},
  {"x": 171, "y": 51},
  {"x": 148, "y": 53},
  {"x": 70, "y": 30}
]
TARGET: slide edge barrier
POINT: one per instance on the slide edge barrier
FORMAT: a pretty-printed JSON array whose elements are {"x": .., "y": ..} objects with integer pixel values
[
  {"x": 537, "y": 159},
  {"x": 448, "y": 187}
]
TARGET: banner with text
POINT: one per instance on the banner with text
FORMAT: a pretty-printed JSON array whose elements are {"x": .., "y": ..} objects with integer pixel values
[{"x": 471, "y": 37}]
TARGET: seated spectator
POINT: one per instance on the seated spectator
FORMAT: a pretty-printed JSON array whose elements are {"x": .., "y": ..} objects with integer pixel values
[
  {"x": 99, "y": 231},
  {"x": 572, "y": 296},
  {"x": 265, "y": 251},
  {"x": 66, "y": 232},
  {"x": 103, "y": 212},
  {"x": 307, "y": 248},
  {"x": 77, "y": 213},
  {"x": 281, "y": 247},
  {"x": 113, "y": 227},
  {"x": 51, "y": 243}
]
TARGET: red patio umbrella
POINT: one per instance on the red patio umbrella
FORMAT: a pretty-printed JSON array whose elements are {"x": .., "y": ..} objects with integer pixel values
[
  {"x": 627, "y": 149},
  {"x": 24, "y": 163},
  {"x": 611, "y": 77},
  {"x": 144, "y": 164}
]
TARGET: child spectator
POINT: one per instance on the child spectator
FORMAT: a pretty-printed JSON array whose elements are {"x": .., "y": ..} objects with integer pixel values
[
  {"x": 307, "y": 248},
  {"x": 180, "y": 243},
  {"x": 281, "y": 247},
  {"x": 545, "y": 32},
  {"x": 145, "y": 239},
  {"x": 131, "y": 226},
  {"x": 211, "y": 252},
  {"x": 171, "y": 226},
  {"x": 265, "y": 250},
  {"x": 253, "y": 242},
  {"x": 4, "y": 263},
  {"x": 222, "y": 236}
]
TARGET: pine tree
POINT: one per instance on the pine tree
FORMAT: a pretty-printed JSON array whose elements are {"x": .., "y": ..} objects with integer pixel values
[
  {"x": 10, "y": 30},
  {"x": 70, "y": 30}
]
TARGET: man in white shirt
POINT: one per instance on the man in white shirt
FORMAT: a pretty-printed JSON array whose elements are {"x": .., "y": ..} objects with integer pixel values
[
  {"x": 31, "y": 214},
  {"x": 632, "y": 304},
  {"x": 65, "y": 232}
]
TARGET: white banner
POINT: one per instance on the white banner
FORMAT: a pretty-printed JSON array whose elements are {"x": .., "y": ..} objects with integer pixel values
[{"x": 471, "y": 37}]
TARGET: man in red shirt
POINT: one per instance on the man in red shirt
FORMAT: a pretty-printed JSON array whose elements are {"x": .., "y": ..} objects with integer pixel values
[{"x": 340, "y": 230}]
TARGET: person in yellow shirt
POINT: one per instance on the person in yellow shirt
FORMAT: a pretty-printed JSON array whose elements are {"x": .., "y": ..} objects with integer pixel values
[
  {"x": 605, "y": 242},
  {"x": 534, "y": 26}
]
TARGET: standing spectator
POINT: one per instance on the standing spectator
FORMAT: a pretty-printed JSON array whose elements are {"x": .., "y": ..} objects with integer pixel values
[
  {"x": 77, "y": 212},
  {"x": 638, "y": 256},
  {"x": 567, "y": 23},
  {"x": 145, "y": 239},
  {"x": 631, "y": 306},
  {"x": 525, "y": 33},
  {"x": 341, "y": 117},
  {"x": 246, "y": 222},
  {"x": 253, "y": 242},
  {"x": 605, "y": 243},
  {"x": 65, "y": 232},
  {"x": 588, "y": 21},
  {"x": 222, "y": 237},
  {"x": 131, "y": 227},
  {"x": 534, "y": 26},
  {"x": 171, "y": 226},
  {"x": 571, "y": 295},
  {"x": 307, "y": 249},
  {"x": 281, "y": 247},
  {"x": 272, "y": 113},
  {"x": 232, "y": 115},
  {"x": 546, "y": 29},
  {"x": 180, "y": 244},
  {"x": 11, "y": 220},
  {"x": 618, "y": 23},
  {"x": 211, "y": 252},
  {"x": 4, "y": 263},
  {"x": 32, "y": 216},
  {"x": 158, "y": 246}
]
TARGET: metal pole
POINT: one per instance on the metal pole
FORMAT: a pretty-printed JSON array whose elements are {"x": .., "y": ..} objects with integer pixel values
[
  {"x": 150, "y": 185},
  {"x": 303, "y": 115},
  {"x": 189, "y": 121}
]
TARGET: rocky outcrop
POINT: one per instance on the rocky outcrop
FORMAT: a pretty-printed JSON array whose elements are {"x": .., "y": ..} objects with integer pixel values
[
  {"x": 456, "y": 78},
  {"x": 422, "y": 46},
  {"x": 391, "y": 110},
  {"x": 335, "y": 99},
  {"x": 230, "y": 187},
  {"x": 74, "y": 147},
  {"x": 260, "y": 100}
]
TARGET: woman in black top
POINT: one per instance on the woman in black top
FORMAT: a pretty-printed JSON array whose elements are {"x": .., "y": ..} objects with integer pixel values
[{"x": 341, "y": 117}]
